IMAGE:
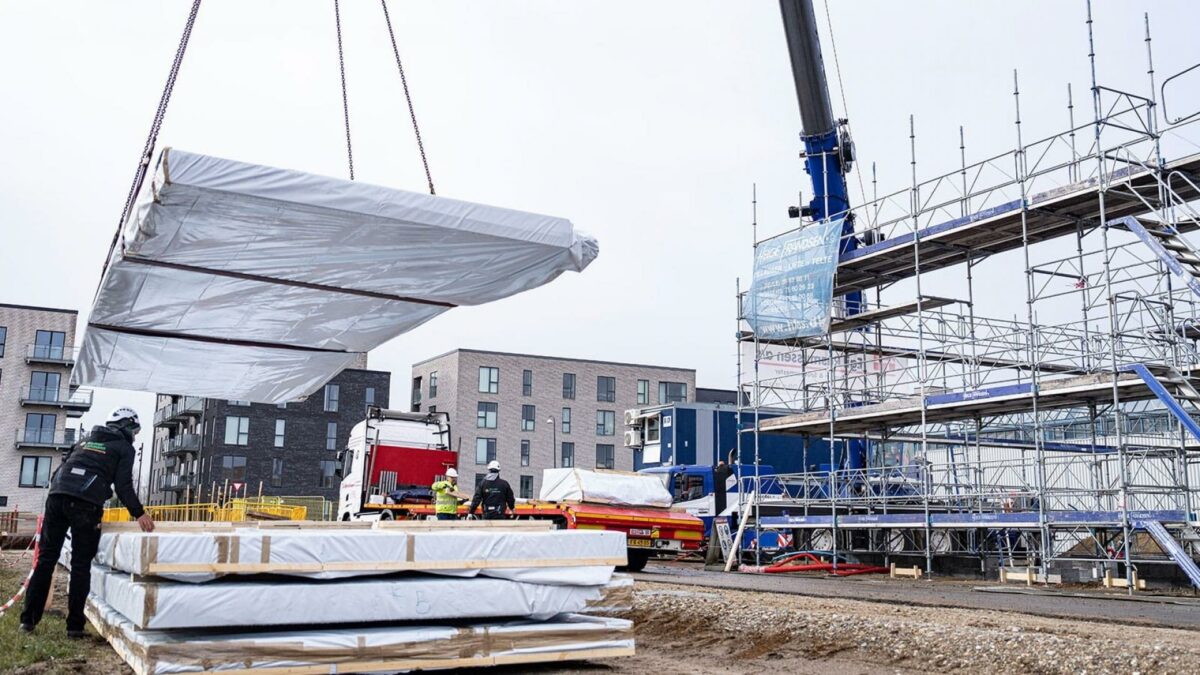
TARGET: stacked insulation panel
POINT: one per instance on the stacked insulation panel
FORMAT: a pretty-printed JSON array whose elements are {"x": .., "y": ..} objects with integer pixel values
[{"x": 390, "y": 597}]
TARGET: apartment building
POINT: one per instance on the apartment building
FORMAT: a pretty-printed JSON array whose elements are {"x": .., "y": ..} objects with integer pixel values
[
  {"x": 39, "y": 410},
  {"x": 238, "y": 448},
  {"x": 535, "y": 412}
]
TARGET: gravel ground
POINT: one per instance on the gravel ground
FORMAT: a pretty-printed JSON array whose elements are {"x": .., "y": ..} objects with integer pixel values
[{"x": 746, "y": 631}]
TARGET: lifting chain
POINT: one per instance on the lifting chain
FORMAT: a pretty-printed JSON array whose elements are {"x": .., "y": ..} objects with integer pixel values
[
  {"x": 408, "y": 97},
  {"x": 148, "y": 151},
  {"x": 337, "y": 17}
]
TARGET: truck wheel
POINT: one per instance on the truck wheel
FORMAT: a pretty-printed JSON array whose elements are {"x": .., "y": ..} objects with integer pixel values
[
  {"x": 637, "y": 561},
  {"x": 387, "y": 514}
]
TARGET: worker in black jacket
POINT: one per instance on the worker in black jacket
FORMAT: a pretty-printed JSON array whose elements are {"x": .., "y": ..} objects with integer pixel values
[
  {"x": 494, "y": 493},
  {"x": 78, "y": 490}
]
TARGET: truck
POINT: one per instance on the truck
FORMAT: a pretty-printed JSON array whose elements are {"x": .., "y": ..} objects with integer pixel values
[{"x": 393, "y": 457}]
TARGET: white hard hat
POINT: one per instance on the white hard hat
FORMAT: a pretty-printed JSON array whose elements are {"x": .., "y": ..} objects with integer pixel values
[
  {"x": 494, "y": 466},
  {"x": 123, "y": 413},
  {"x": 451, "y": 473}
]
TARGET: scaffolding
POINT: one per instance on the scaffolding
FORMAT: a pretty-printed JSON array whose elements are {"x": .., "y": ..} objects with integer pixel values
[{"x": 1057, "y": 433}]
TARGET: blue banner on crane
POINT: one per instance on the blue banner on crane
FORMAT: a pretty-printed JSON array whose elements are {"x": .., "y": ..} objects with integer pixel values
[{"x": 792, "y": 292}]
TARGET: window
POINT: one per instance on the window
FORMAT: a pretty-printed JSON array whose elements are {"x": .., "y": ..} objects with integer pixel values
[
  {"x": 328, "y": 473},
  {"x": 369, "y": 396},
  {"x": 568, "y": 455},
  {"x": 525, "y": 453},
  {"x": 276, "y": 472},
  {"x": 39, "y": 428},
  {"x": 605, "y": 457},
  {"x": 332, "y": 391},
  {"x": 241, "y": 403},
  {"x": 282, "y": 406},
  {"x": 653, "y": 431},
  {"x": 433, "y": 384},
  {"x": 235, "y": 467},
  {"x": 569, "y": 386},
  {"x": 606, "y": 422},
  {"x": 606, "y": 389},
  {"x": 527, "y": 383},
  {"x": 672, "y": 392},
  {"x": 43, "y": 386},
  {"x": 687, "y": 487},
  {"x": 331, "y": 436},
  {"x": 48, "y": 344},
  {"x": 35, "y": 472},
  {"x": 485, "y": 450},
  {"x": 3, "y": 339},
  {"x": 566, "y": 420},
  {"x": 643, "y": 396},
  {"x": 489, "y": 380},
  {"x": 528, "y": 417},
  {"x": 416, "y": 394},
  {"x": 237, "y": 431},
  {"x": 485, "y": 415},
  {"x": 526, "y": 487},
  {"x": 280, "y": 425}
]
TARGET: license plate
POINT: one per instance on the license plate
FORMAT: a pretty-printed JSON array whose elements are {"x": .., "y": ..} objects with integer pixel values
[
  {"x": 639, "y": 543},
  {"x": 639, "y": 532}
]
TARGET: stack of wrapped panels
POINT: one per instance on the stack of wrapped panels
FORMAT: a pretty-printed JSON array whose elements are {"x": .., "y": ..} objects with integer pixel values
[{"x": 391, "y": 598}]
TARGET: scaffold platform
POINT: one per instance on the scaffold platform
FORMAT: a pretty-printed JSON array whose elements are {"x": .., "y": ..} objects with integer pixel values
[{"x": 1050, "y": 214}]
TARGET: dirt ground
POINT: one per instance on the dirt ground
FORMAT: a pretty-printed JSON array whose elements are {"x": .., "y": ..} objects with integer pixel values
[{"x": 684, "y": 629}]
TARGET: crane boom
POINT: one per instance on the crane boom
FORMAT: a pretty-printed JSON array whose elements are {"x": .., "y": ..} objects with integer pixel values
[{"x": 808, "y": 69}]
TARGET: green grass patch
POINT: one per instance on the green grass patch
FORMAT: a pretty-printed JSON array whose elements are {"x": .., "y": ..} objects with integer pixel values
[{"x": 46, "y": 646}]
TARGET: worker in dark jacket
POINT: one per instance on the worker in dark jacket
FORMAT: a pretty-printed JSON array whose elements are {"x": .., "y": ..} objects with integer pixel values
[
  {"x": 494, "y": 493},
  {"x": 78, "y": 490}
]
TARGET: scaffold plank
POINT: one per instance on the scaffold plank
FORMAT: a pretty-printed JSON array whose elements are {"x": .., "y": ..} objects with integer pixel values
[{"x": 943, "y": 407}]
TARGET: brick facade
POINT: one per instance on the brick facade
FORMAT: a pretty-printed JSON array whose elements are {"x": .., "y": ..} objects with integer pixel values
[
  {"x": 458, "y": 394},
  {"x": 190, "y": 448},
  {"x": 29, "y": 397}
]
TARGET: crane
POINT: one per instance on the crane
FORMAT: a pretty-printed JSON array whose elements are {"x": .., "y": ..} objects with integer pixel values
[{"x": 828, "y": 150}]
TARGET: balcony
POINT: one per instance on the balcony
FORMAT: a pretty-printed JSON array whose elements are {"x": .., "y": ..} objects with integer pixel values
[
  {"x": 47, "y": 438},
  {"x": 174, "y": 482},
  {"x": 176, "y": 413},
  {"x": 181, "y": 444},
  {"x": 51, "y": 354},
  {"x": 74, "y": 401}
]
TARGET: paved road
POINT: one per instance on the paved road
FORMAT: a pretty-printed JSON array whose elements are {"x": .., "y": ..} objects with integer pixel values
[{"x": 1173, "y": 612}]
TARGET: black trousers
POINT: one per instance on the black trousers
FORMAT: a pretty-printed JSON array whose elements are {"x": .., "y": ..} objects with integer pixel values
[{"x": 83, "y": 520}]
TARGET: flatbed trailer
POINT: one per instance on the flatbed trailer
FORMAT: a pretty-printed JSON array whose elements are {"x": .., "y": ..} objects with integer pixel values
[{"x": 648, "y": 530}]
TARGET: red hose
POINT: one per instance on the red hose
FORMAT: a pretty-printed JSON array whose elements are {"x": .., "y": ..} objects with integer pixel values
[
  {"x": 817, "y": 564},
  {"x": 841, "y": 571}
]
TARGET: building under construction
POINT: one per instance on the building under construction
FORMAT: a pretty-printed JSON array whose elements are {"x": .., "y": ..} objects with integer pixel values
[{"x": 1013, "y": 360}]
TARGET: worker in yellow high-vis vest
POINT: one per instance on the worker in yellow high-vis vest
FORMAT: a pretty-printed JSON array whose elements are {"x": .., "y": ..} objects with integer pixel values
[{"x": 445, "y": 496}]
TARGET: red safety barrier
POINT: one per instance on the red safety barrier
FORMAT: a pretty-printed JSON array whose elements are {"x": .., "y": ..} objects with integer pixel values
[{"x": 25, "y": 584}]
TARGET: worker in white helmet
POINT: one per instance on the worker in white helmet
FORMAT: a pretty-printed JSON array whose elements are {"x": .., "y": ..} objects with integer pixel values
[
  {"x": 494, "y": 493},
  {"x": 445, "y": 496},
  {"x": 78, "y": 490}
]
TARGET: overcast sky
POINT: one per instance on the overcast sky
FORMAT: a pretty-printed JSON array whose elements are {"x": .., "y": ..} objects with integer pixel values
[{"x": 644, "y": 122}]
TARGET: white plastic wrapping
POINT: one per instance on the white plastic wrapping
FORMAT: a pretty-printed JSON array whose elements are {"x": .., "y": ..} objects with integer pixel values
[
  {"x": 380, "y": 649},
  {"x": 229, "y": 267},
  {"x": 604, "y": 487},
  {"x": 271, "y": 602},
  {"x": 339, "y": 553}
]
